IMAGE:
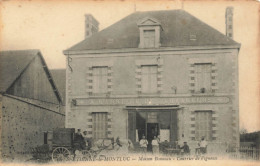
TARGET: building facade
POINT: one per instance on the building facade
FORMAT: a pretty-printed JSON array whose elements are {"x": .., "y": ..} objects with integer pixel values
[
  {"x": 30, "y": 103},
  {"x": 156, "y": 73}
]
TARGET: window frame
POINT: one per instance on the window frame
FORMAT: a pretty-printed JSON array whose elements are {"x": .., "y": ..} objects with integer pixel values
[
  {"x": 148, "y": 38},
  {"x": 208, "y": 129},
  {"x": 149, "y": 74},
  {"x": 198, "y": 82},
  {"x": 95, "y": 132},
  {"x": 98, "y": 91}
]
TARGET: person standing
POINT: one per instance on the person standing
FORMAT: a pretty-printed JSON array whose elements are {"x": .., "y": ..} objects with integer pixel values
[
  {"x": 203, "y": 145},
  {"x": 143, "y": 144},
  {"x": 87, "y": 140},
  {"x": 155, "y": 145}
]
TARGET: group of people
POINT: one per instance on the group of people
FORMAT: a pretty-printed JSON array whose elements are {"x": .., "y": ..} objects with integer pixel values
[
  {"x": 155, "y": 144},
  {"x": 202, "y": 149},
  {"x": 83, "y": 142}
]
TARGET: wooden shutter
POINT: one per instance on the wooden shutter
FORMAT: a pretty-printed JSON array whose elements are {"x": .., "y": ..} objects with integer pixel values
[
  {"x": 207, "y": 76},
  {"x": 174, "y": 127},
  {"x": 153, "y": 79},
  {"x": 132, "y": 126},
  {"x": 145, "y": 79},
  {"x": 103, "y": 80}
]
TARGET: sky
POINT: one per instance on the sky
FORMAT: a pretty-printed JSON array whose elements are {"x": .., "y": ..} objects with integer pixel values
[{"x": 54, "y": 26}]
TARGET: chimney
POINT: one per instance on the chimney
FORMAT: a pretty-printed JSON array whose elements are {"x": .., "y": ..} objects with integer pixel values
[
  {"x": 229, "y": 22},
  {"x": 91, "y": 25}
]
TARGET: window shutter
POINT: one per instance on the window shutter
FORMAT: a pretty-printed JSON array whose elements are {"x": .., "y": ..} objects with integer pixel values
[
  {"x": 99, "y": 125},
  {"x": 149, "y": 79},
  {"x": 132, "y": 126},
  {"x": 100, "y": 79},
  {"x": 174, "y": 127},
  {"x": 203, "y": 125},
  {"x": 203, "y": 77}
]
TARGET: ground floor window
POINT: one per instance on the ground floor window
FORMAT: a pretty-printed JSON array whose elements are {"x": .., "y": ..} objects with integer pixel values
[
  {"x": 203, "y": 125},
  {"x": 99, "y": 125}
]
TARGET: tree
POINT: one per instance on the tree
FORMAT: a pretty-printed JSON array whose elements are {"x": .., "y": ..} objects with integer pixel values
[{"x": 243, "y": 131}]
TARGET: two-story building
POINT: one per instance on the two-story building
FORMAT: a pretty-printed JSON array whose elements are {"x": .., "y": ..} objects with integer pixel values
[{"x": 156, "y": 73}]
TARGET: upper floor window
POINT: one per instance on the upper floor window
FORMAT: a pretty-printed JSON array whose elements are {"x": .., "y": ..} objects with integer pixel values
[
  {"x": 100, "y": 79},
  {"x": 203, "y": 77},
  {"x": 149, "y": 79},
  {"x": 149, "y": 38}
]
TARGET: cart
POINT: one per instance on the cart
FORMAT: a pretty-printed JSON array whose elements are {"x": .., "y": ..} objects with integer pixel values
[
  {"x": 61, "y": 145},
  {"x": 65, "y": 147}
]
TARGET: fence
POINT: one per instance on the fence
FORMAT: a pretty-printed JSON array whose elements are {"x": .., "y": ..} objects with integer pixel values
[{"x": 246, "y": 153}]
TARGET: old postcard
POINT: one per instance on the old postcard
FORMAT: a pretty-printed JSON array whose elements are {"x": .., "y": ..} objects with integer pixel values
[{"x": 130, "y": 82}]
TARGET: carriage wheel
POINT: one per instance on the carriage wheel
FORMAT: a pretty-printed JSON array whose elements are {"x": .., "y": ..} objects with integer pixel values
[
  {"x": 60, "y": 154},
  {"x": 87, "y": 156}
]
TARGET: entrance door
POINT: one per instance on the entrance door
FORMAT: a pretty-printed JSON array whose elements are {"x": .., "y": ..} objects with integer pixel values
[{"x": 152, "y": 130}]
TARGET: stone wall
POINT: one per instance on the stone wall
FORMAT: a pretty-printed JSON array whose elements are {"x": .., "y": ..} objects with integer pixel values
[{"x": 24, "y": 122}]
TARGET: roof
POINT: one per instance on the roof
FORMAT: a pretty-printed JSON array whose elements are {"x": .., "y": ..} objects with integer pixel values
[
  {"x": 59, "y": 76},
  {"x": 14, "y": 62},
  {"x": 177, "y": 26}
]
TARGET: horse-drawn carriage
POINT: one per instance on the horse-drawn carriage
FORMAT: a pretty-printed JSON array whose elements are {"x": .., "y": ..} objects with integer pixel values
[{"x": 65, "y": 146}]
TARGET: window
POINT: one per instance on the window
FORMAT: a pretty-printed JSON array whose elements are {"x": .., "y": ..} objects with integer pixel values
[
  {"x": 99, "y": 125},
  {"x": 152, "y": 117},
  {"x": 203, "y": 125},
  {"x": 203, "y": 77},
  {"x": 149, "y": 79},
  {"x": 100, "y": 79},
  {"x": 149, "y": 38}
]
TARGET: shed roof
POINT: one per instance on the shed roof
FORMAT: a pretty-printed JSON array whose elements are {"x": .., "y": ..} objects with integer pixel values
[
  {"x": 177, "y": 28},
  {"x": 14, "y": 62}
]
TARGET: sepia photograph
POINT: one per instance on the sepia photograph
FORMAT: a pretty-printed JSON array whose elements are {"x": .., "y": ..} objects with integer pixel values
[{"x": 135, "y": 82}]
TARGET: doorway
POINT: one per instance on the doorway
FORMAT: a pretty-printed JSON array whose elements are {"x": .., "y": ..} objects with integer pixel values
[{"x": 152, "y": 130}]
